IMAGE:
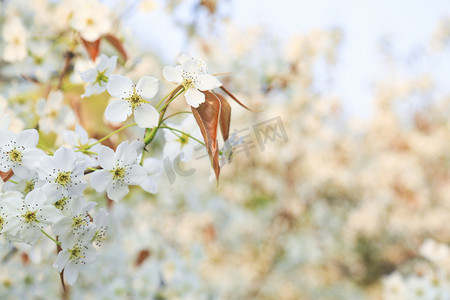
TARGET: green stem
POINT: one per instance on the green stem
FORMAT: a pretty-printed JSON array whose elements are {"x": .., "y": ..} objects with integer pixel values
[
  {"x": 182, "y": 132},
  {"x": 148, "y": 139},
  {"x": 47, "y": 235},
  {"x": 45, "y": 148},
  {"x": 178, "y": 113},
  {"x": 171, "y": 99},
  {"x": 109, "y": 135},
  {"x": 165, "y": 97}
]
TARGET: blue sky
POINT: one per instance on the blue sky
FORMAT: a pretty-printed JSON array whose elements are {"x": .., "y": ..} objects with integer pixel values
[{"x": 407, "y": 24}]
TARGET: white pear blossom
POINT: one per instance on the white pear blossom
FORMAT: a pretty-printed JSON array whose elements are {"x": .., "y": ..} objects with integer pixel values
[
  {"x": 23, "y": 184},
  {"x": 70, "y": 228},
  {"x": 92, "y": 19},
  {"x": 18, "y": 152},
  {"x": 15, "y": 36},
  {"x": 120, "y": 169},
  {"x": 80, "y": 140},
  {"x": 54, "y": 115},
  {"x": 71, "y": 258},
  {"x": 133, "y": 99},
  {"x": 61, "y": 174},
  {"x": 26, "y": 217},
  {"x": 154, "y": 168},
  {"x": 98, "y": 76},
  {"x": 193, "y": 75},
  {"x": 181, "y": 144},
  {"x": 101, "y": 226}
]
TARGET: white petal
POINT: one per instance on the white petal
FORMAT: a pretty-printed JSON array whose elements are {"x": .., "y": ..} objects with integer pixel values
[
  {"x": 65, "y": 158},
  {"x": 147, "y": 87},
  {"x": 28, "y": 138},
  {"x": 117, "y": 192},
  {"x": 149, "y": 185},
  {"x": 207, "y": 82},
  {"x": 49, "y": 214},
  {"x": 173, "y": 74},
  {"x": 191, "y": 66},
  {"x": 194, "y": 98},
  {"x": 106, "y": 157},
  {"x": 61, "y": 260},
  {"x": 153, "y": 166},
  {"x": 137, "y": 175},
  {"x": 100, "y": 180},
  {"x": 146, "y": 116},
  {"x": 31, "y": 157},
  {"x": 117, "y": 111},
  {"x": 30, "y": 234},
  {"x": 119, "y": 86},
  {"x": 90, "y": 255},
  {"x": 183, "y": 58},
  {"x": 71, "y": 272},
  {"x": 62, "y": 226},
  {"x": 89, "y": 75}
]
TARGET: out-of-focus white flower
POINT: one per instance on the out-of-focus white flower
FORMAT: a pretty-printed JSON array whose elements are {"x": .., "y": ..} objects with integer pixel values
[
  {"x": 15, "y": 36},
  {"x": 120, "y": 169},
  {"x": 92, "y": 19},
  {"x": 100, "y": 222},
  {"x": 178, "y": 143},
  {"x": 18, "y": 152},
  {"x": 154, "y": 168},
  {"x": 79, "y": 140},
  {"x": 133, "y": 98},
  {"x": 26, "y": 217},
  {"x": 54, "y": 114},
  {"x": 193, "y": 75},
  {"x": 394, "y": 287},
  {"x": 436, "y": 252},
  {"x": 98, "y": 76},
  {"x": 61, "y": 174},
  {"x": 80, "y": 253}
]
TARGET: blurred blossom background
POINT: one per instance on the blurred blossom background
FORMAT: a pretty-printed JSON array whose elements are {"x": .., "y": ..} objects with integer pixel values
[{"x": 340, "y": 188}]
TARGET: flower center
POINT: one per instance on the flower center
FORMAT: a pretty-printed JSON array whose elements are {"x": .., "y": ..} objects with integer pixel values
[
  {"x": 184, "y": 139},
  {"x": 30, "y": 216},
  {"x": 135, "y": 100},
  {"x": 61, "y": 203},
  {"x": 90, "y": 22},
  {"x": 2, "y": 221},
  {"x": 189, "y": 80},
  {"x": 78, "y": 221},
  {"x": 17, "y": 41},
  {"x": 64, "y": 178},
  {"x": 29, "y": 186},
  {"x": 118, "y": 173},
  {"x": 101, "y": 78},
  {"x": 15, "y": 155},
  {"x": 76, "y": 252}
]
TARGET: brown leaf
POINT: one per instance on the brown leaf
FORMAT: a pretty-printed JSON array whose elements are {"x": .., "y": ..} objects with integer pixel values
[
  {"x": 207, "y": 116},
  {"x": 225, "y": 117},
  {"x": 6, "y": 175},
  {"x": 117, "y": 44},
  {"x": 234, "y": 98},
  {"x": 142, "y": 256},
  {"x": 92, "y": 48}
]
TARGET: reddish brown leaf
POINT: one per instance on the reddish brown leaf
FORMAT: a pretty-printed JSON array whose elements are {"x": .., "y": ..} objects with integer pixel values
[
  {"x": 117, "y": 44},
  {"x": 142, "y": 256},
  {"x": 234, "y": 98},
  {"x": 6, "y": 175},
  {"x": 207, "y": 116},
  {"x": 92, "y": 48},
  {"x": 225, "y": 117}
]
